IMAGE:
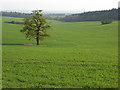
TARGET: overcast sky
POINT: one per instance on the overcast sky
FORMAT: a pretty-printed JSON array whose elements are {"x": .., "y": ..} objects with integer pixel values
[{"x": 59, "y": 5}]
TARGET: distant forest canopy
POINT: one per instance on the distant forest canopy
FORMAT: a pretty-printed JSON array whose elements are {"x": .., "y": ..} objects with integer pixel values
[
  {"x": 92, "y": 16},
  {"x": 112, "y": 14},
  {"x": 23, "y": 15},
  {"x": 15, "y": 14}
]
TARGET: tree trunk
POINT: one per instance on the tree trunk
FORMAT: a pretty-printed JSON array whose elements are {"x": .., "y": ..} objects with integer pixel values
[
  {"x": 37, "y": 38},
  {"x": 37, "y": 41}
]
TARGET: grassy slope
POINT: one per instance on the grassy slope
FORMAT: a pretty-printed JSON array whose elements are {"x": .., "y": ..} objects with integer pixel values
[{"x": 78, "y": 54}]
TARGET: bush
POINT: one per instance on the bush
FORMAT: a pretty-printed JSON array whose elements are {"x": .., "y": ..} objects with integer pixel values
[
  {"x": 106, "y": 21},
  {"x": 13, "y": 22}
]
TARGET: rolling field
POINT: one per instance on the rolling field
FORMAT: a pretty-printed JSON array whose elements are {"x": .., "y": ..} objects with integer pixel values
[{"x": 77, "y": 55}]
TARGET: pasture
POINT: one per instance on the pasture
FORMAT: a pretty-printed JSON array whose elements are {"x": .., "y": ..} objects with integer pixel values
[{"x": 76, "y": 55}]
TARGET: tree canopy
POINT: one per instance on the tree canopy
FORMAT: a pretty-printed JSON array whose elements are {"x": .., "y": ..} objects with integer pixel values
[{"x": 36, "y": 26}]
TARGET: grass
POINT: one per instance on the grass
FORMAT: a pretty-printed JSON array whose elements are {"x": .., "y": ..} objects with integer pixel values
[{"x": 77, "y": 55}]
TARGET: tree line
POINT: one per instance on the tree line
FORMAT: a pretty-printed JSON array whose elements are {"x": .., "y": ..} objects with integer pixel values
[
  {"x": 92, "y": 16},
  {"x": 48, "y": 16},
  {"x": 111, "y": 14},
  {"x": 15, "y": 14}
]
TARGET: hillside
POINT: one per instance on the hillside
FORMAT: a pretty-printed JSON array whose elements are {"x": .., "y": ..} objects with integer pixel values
[
  {"x": 92, "y": 16},
  {"x": 76, "y": 55},
  {"x": 86, "y": 16}
]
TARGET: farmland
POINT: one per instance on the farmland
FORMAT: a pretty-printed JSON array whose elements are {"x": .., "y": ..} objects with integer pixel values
[{"x": 76, "y": 55}]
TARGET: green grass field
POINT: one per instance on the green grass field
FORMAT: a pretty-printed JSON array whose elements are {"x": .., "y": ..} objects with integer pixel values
[{"x": 77, "y": 55}]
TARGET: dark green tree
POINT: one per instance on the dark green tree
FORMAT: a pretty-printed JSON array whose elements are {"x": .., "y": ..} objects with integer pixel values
[
  {"x": 36, "y": 26},
  {"x": 105, "y": 21}
]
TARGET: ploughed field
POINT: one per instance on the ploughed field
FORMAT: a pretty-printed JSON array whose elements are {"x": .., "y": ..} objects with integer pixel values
[{"x": 76, "y": 55}]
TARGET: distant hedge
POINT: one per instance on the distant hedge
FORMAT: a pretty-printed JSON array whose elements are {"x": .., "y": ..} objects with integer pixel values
[{"x": 13, "y": 22}]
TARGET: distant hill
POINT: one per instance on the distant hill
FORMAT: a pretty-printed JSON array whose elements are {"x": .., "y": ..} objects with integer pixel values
[
  {"x": 15, "y": 14},
  {"x": 48, "y": 16},
  {"x": 86, "y": 16},
  {"x": 92, "y": 16}
]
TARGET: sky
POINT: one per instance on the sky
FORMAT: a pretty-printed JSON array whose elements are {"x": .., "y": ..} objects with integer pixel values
[{"x": 58, "y": 5}]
